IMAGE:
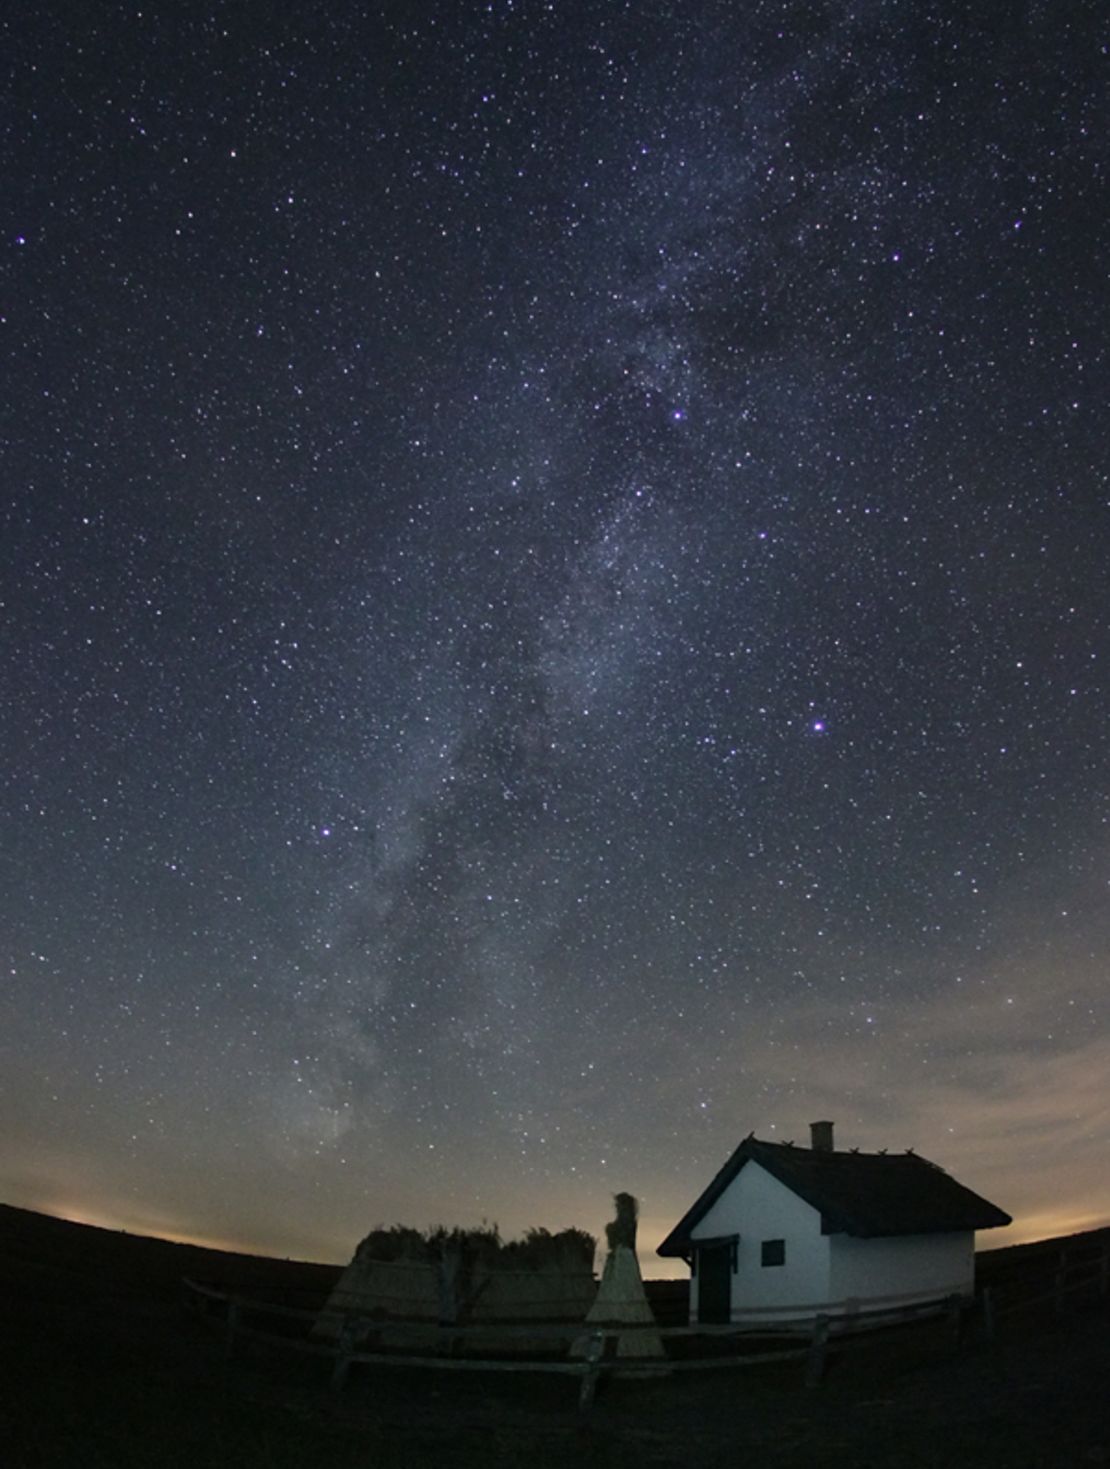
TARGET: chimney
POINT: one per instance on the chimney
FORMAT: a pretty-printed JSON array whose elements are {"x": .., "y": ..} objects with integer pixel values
[{"x": 821, "y": 1137}]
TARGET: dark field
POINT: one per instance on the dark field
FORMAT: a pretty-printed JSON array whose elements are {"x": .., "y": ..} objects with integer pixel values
[{"x": 100, "y": 1367}]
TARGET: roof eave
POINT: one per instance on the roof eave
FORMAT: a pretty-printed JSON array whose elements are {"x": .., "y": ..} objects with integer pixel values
[{"x": 673, "y": 1247}]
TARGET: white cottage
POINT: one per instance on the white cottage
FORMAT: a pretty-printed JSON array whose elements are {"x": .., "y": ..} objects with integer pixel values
[{"x": 784, "y": 1234}]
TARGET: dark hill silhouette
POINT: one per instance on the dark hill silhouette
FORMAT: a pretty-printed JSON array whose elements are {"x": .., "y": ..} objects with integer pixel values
[
  {"x": 41, "y": 1253},
  {"x": 102, "y": 1368}
]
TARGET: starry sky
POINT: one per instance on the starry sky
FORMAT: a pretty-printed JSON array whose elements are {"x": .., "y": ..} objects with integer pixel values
[{"x": 555, "y": 606}]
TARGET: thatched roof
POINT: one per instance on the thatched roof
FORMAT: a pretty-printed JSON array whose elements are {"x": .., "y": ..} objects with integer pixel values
[
  {"x": 868, "y": 1195},
  {"x": 463, "y": 1276}
]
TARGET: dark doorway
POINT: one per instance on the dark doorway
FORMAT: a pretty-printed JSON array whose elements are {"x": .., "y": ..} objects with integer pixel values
[{"x": 715, "y": 1285}]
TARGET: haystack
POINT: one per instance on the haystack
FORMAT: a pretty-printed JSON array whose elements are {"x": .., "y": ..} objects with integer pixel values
[
  {"x": 461, "y": 1278},
  {"x": 621, "y": 1298}
]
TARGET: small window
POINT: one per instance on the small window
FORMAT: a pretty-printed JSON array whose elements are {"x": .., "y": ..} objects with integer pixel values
[{"x": 773, "y": 1252}]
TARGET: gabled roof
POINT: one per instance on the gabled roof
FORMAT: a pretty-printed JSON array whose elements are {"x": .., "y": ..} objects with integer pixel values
[{"x": 868, "y": 1195}]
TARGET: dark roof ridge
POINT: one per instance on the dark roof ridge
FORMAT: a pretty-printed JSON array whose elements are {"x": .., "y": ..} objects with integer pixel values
[{"x": 765, "y": 1142}]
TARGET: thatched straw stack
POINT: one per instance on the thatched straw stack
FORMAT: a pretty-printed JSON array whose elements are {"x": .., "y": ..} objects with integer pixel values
[
  {"x": 462, "y": 1277},
  {"x": 621, "y": 1298},
  {"x": 388, "y": 1278}
]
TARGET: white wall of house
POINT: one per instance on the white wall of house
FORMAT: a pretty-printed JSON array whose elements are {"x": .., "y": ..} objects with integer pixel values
[
  {"x": 819, "y": 1268},
  {"x": 864, "y": 1268},
  {"x": 757, "y": 1207}
]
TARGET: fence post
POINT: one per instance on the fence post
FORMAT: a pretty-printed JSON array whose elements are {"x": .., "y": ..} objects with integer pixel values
[
  {"x": 988, "y": 1313},
  {"x": 815, "y": 1364},
  {"x": 344, "y": 1346},
  {"x": 447, "y": 1280},
  {"x": 591, "y": 1370},
  {"x": 956, "y": 1319},
  {"x": 234, "y": 1318}
]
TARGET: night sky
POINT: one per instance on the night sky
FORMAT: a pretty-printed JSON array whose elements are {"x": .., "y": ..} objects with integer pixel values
[{"x": 555, "y": 606}]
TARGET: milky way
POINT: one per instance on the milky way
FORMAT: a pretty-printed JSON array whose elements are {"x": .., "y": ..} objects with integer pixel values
[{"x": 555, "y": 593}]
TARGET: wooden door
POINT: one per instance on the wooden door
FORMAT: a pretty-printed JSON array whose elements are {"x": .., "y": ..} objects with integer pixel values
[{"x": 715, "y": 1285}]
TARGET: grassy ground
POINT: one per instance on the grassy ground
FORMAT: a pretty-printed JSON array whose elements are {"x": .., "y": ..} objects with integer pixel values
[{"x": 100, "y": 1366}]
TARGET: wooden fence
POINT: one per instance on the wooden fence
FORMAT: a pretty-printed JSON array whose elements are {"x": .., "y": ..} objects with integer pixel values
[
  {"x": 239, "y": 1315},
  {"x": 1047, "y": 1281}
]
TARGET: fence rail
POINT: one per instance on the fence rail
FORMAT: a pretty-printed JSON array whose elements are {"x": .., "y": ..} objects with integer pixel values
[
  {"x": 597, "y": 1343},
  {"x": 1084, "y": 1269}
]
